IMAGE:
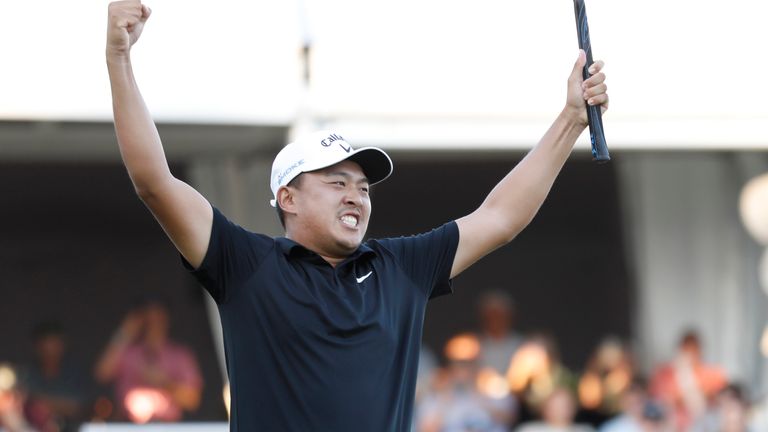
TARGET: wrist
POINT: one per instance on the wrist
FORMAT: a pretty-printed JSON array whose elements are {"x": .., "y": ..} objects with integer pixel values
[
  {"x": 117, "y": 57},
  {"x": 574, "y": 117}
]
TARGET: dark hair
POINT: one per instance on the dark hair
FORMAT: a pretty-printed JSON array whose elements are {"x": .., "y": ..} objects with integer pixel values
[
  {"x": 295, "y": 182},
  {"x": 690, "y": 337},
  {"x": 735, "y": 391},
  {"x": 151, "y": 299},
  {"x": 638, "y": 384},
  {"x": 497, "y": 297},
  {"x": 47, "y": 328}
]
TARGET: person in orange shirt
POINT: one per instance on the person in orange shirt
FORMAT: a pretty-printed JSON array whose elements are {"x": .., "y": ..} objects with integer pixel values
[{"x": 686, "y": 383}]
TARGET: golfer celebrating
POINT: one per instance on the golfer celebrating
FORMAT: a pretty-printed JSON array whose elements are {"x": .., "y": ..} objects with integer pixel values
[{"x": 321, "y": 330}]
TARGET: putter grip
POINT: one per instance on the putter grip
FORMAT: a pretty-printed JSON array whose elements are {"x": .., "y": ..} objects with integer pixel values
[{"x": 594, "y": 116}]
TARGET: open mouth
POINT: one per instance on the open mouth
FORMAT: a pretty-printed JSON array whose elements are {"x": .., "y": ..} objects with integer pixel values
[{"x": 350, "y": 220}]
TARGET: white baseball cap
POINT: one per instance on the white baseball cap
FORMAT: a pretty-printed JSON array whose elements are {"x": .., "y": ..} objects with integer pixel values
[{"x": 322, "y": 149}]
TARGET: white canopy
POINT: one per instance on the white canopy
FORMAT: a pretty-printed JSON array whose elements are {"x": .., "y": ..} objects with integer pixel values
[{"x": 682, "y": 74}]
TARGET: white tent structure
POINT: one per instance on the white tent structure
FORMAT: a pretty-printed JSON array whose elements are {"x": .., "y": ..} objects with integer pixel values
[{"x": 685, "y": 74}]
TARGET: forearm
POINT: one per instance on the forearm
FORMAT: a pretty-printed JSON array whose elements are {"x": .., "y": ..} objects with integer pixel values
[
  {"x": 186, "y": 396},
  {"x": 107, "y": 364},
  {"x": 137, "y": 136},
  {"x": 517, "y": 198},
  {"x": 184, "y": 214}
]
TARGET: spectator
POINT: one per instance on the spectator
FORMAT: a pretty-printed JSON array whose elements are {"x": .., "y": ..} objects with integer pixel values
[
  {"x": 12, "y": 417},
  {"x": 558, "y": 411},
  {"x": 686, "y": 384},
  {"x": 729, "y": 413},
  {"x": 498, "y": 339},
  {"x": 607, "y": 376},
  {"x": 154, "y": 378},
  {"x": 456, "y": 404},
  {"x": 55, "y": 386},
  {"x": 633, "y": 401},
  {"x": 535, "y": 372}
]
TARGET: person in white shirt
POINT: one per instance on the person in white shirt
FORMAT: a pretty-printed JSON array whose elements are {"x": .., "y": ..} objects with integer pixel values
[{"x": 557, "y": 415}]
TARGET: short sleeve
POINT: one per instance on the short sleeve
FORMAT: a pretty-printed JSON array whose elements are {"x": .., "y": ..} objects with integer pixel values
[
  {"x": 187, "y": 371},
  {"x": 427, "y": 258},
  {"x": 233, "y": 255}
]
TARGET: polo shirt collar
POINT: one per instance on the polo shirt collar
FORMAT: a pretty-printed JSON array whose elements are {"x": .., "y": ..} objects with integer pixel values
[{"x": 291, "y": 248}]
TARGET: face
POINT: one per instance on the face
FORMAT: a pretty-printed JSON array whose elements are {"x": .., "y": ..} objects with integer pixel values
[
  {"x": 633, "y": 401},
  {"x": 733, "y": 415},
  {"x": 50, "y": 347},
  {"x": 691, "y": 351},
  {"x": 329, "y": 212},
  {"x": 156, "y": 322},
  {"x": 497, "y": 318},
  {"x": 559, "y": 408}
]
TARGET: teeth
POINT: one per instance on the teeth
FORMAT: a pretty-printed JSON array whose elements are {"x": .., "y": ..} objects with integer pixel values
[{"x": 349, "y": 220}]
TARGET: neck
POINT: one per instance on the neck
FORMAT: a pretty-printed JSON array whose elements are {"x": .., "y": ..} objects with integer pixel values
[
  {"x": 50, "y": 368},
  {"x": 559, "y": 423},
  {"x": 495, "y": 334},
  {"x": 333, "y": 259},
  {"x": 155, "y": 342}
]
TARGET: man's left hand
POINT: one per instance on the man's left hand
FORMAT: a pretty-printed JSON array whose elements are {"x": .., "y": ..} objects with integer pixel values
[{"x": 593, "y": 91}]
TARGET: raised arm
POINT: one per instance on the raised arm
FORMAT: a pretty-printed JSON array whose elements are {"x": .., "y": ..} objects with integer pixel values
[
  {"x": 185, "y": 215},
  {"x": 130, "y": 329},
  {"x": 513, "y": 203}
]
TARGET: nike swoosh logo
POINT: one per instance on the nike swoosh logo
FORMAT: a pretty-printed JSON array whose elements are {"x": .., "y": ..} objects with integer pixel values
[{"x": 362, "y": 278}]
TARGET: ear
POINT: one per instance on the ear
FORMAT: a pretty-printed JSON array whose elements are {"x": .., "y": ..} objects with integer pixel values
[{"x": 286, "y": 199}]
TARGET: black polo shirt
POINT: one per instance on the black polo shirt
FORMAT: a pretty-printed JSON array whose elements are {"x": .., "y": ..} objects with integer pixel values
[{"x": 311, "y": 347}]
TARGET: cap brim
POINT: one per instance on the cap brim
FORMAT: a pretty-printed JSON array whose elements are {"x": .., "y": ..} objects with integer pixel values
[{"x": 375, "y": 163}]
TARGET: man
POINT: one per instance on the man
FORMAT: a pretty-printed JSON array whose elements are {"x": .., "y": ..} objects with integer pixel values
[
  {"x": 145, "y": 364},
  {"x": 458, "y": 401},
  {"x": 558, "y": 413},
  {"x": 321, "y": 331},
  {"x": 730, "y": 412},
  {"x": 686, "y": 383},
  {"x": 55, "y": 385},
  {"x": 499, "y": 341},
  {"x": 633, "y": 402}
]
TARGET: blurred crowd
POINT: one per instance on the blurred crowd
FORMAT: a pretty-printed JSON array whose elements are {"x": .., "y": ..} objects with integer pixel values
[
  {"x": 499, "y": 380},
  {"x": 491, "y": 380},
  {"x": 146, "y": 375}
]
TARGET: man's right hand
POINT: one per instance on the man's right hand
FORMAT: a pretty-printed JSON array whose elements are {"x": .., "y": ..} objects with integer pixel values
[
  {"x": 132, "y": 325},
  {"x": 185, "y": 215},
  {"x": 126, "y": 20}
]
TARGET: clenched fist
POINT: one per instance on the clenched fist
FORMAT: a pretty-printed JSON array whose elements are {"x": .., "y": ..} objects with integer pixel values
[{"x": 126, "y": 20}]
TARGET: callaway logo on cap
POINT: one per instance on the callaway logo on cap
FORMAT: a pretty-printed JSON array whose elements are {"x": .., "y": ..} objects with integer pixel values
[{"x": 322, "y": 149}]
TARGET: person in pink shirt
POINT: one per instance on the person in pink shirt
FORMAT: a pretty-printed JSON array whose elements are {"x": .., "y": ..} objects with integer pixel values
[{"x": 154, "y": 378}]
